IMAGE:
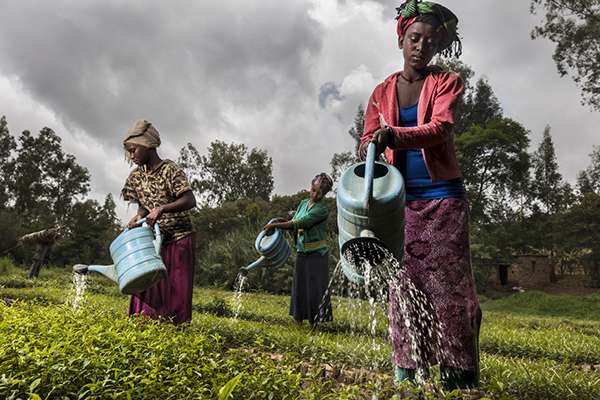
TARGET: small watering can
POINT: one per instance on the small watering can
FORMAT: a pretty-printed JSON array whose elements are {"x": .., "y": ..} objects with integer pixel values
[
  {"x": 137, "y": 261},
  {"x": 272, "y": 247},
  {"x": 370, "y": 214}
]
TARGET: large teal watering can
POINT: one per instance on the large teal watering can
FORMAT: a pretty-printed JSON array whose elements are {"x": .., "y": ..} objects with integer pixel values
[
  {"x": 137, "y": 261},
  {"x": 274, "y": 250},
  {"x": 370, "y": 217}
]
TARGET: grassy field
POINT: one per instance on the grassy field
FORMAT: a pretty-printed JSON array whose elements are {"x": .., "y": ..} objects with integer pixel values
[{"x": 534, "y": 346}]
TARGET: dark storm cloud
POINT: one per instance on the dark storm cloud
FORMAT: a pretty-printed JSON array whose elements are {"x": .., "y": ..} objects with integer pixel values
[
  {"x": 99, "y": 65},
  {"x": 328, "y": 90}
]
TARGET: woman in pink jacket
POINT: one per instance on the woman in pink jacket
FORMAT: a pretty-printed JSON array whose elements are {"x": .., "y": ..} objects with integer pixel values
[{"x": 410, "y": 118}]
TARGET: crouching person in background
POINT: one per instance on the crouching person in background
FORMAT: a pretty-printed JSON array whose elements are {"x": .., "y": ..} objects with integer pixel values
[
  {"x": 164, "y": 195},
  {"x": 44, "y": 241}
]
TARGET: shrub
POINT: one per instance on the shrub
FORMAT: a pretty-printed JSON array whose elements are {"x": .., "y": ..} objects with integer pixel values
[{"x": 5, "y": 265}]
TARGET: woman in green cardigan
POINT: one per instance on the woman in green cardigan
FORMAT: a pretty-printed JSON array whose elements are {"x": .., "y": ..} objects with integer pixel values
[{"x": 309, "y": 298}]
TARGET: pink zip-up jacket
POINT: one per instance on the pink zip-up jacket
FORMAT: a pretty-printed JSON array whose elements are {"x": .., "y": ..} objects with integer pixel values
[{"x": 434, "y": 132}]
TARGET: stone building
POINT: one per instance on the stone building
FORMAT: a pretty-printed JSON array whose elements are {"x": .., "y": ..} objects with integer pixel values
[{"x": 525, "y": 270}]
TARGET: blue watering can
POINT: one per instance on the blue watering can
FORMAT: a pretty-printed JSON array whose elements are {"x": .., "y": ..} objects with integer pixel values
[
  {"x": 370, "y": 214},
  {"x": 137, "y": 261},
  {"x": 274, "y": 250}
]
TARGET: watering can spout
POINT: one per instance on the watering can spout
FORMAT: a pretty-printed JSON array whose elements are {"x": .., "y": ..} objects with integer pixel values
[
  {"x": 254, "y": 265},
  {"x": 80, "y": 269},
  {"x": 106, "y": 270}
]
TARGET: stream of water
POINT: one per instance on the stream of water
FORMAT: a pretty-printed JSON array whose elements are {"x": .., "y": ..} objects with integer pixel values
[
  {"x": 365, "y": 304},
  {"x": 238, "y": 288},
  {"x": 386, "y": 281},
  {"x": 79, "y": 283}
]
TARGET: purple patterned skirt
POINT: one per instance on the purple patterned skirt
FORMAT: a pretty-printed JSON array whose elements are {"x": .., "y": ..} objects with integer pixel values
[
  {"x": 437, "y": 259},
  {"x": 171, "y": 298}
]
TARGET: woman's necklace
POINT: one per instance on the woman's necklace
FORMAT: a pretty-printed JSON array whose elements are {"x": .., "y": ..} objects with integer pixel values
[{"x": 411, "y": 80}]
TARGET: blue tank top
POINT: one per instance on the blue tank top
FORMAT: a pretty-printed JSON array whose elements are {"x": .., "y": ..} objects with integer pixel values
[{"x": 412, "y": 166}]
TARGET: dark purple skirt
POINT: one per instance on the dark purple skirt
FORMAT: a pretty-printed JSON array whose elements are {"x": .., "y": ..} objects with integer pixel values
[
  {"x": 309, "y": 299},
  {"x": 437, "y": 259},
  {"x": 171, "y": 298}
]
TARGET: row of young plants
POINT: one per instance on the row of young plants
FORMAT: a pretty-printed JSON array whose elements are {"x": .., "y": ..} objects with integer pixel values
[
  {"x": 569, "y": 341},
  {"x": 549, "y": 343},
  {"x": 523, "y": 356},
  {"x": 551, "y": 338},
  {"x": 524, "y": 378},
  {"x": 265, "y": 335},
  {"x": 578, "y": 308},
  {"x": 54, "y": 352},
  {"x": 578, "y": 326}
]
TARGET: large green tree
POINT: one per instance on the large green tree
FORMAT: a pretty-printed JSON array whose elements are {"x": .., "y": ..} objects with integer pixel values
[
  {"x": 552, "y": 193},
  {"x": 481, "y": 106},
  {"x": 495, "y": 165},
  {"x": 552, "y": 198},
  {"x": 574, "y": 25},
  {"x": 7, "y": 146},
  {"x": 580, "y": 230},
  {"x": 492, "y": 150},
  {"x": 582, "y": 222},
  {"x": 92, "y": 227},
  {"x": 228, "y": 172},
  {"x": 46, "y": 180},
  {"x": 588, "y": 180}
]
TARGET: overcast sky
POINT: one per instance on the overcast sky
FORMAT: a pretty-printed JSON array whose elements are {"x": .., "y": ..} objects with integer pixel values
[{"x": 285, "y": 76}]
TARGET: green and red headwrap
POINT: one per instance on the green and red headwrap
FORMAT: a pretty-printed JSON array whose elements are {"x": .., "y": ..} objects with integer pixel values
[{"x": 415, "y": 11}]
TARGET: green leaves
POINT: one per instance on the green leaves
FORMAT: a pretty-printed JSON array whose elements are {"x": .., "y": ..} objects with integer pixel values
[
  {"x": 574, "y": 25},
  {"x": 228, "y": 172},
  {"x": 494, "y": 162},
  {"x": 34, "y": 384},
  {"x": 226, "y": 391}
]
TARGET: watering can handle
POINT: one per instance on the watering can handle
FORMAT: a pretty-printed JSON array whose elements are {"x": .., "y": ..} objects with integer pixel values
[
  {"x": 263, "y": 233},
  {"x": 157, "y": 234},
  {"x": 138, "y": 222},
  {"x": 157, "y": 238},
  {"x": 369, "y": 173},
  {"x": 278, "y": 219}
]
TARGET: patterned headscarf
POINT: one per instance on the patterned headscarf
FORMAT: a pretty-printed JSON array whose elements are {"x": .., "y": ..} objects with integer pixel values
[
  {"x": 426, "y": 11},
  {"x": 143, "y": 133},
  {"x": 324, "y": 181}
]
